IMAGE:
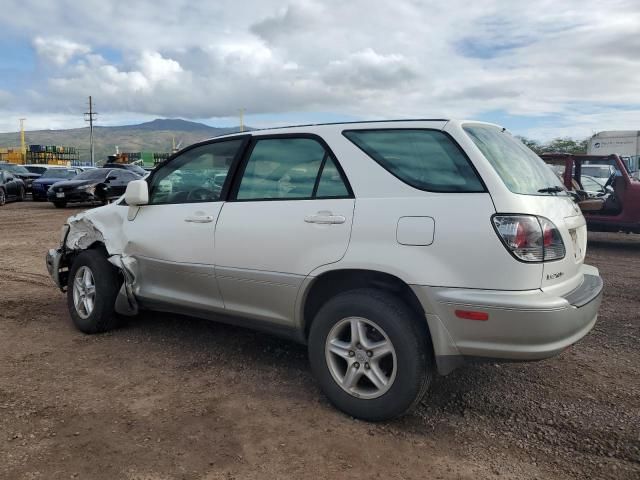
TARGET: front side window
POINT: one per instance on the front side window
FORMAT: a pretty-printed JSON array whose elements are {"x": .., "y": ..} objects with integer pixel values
[
  {"x": 290, "y": 168},
  {"x": 195, "y": 176},
  {"x": 521, "y": 170},
  {"x": 425, "y": 159}
]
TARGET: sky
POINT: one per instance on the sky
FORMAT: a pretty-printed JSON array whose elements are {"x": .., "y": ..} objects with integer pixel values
[{"x": 542, "y": 69}]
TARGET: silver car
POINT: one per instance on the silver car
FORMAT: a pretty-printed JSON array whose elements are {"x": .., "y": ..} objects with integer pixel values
[{"x": 394, "y": 250}]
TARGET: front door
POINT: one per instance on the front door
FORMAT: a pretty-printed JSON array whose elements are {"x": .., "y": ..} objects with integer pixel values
[
  {"x": 172, "y": 237},
  {"x": 289, "y": 212}
]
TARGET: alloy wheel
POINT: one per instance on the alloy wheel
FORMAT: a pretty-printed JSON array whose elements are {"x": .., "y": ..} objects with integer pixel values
[
  {"x": 84, "y": 292},
  {"x": 361, "y": 357}
]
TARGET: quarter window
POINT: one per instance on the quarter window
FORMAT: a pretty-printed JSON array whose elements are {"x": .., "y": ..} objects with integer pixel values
[
  {"x": 425, "y": 159},
  {"x": 290, "y": 168},
  {"x": 197, "y": 175}
]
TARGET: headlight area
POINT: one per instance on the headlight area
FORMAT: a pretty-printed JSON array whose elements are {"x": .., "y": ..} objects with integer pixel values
[{"x": 87, "y": 188}]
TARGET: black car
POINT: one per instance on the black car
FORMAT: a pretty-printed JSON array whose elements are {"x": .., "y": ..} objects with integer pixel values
[
  {"x": 98, "y": 185},
  {"x": 40, "y": 186},
  {"x": 19, "y": 171},
  {"x": 11, "y": 187},
  {"x": 126, "y": 166}
]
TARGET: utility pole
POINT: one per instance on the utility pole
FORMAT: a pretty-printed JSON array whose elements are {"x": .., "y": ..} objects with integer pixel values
[
  {"x": 242, "y": 119},
  {"x": 23, "y": 146},
  {"x": 90, "y": 117}
]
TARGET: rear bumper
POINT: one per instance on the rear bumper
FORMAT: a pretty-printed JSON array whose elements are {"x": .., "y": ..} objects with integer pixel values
[{"x": 522, "y": 325}]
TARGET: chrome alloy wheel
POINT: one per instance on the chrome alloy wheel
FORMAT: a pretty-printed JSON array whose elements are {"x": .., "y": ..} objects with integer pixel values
[
  {"x": 361, "y": 358},
  {"x": 84, "y": 292}
]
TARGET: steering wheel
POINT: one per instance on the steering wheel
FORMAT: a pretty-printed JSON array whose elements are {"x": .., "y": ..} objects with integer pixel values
[
  {"x": 612, "y": 177},
  {"x": 201, "y": 194}
]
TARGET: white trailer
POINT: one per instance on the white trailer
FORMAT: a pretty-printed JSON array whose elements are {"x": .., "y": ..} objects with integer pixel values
[{"x": 625, "y": 143}]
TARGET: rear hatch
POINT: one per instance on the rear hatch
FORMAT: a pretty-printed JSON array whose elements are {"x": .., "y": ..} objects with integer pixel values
[{"x": 533, "y": 189}]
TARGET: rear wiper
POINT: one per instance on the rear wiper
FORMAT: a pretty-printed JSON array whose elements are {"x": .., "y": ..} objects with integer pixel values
[{"x": 554, "y": 189}]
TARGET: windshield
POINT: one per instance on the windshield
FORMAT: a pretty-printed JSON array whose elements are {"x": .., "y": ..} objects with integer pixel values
[
  {"x": 19, "y": 169},
  {"x": 59, "y": 173},
  {"x": 97, "y": 174},
  {"x": 520, "y": 169},
  {"x": 598, "y": 171}
]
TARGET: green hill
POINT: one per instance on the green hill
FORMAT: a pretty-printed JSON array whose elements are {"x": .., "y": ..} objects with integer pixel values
[{"x": 154, "y": 136}]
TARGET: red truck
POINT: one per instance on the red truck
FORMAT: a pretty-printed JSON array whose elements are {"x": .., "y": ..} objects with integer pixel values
[{"x": 616, "y": 206}]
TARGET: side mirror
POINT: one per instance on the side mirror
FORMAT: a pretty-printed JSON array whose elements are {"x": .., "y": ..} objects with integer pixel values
[
  {"x": 608, "y": 189},
  {"x": 137, "y": 193}
]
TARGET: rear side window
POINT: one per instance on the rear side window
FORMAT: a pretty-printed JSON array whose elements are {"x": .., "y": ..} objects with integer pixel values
[{"x": 425, "y": 159}]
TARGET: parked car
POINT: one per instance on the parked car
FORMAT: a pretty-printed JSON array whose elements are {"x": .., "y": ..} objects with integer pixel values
[
  {"x": 127, "y": 166},
  {"x": 19, "y": 171},
  {"x": 40, "y": 186},
  {"x": 11, "y": 188},
  {"x": 392, "y": 249},
  {"x": 98, "y": 185},
  {"x": 617, "y": 209}
]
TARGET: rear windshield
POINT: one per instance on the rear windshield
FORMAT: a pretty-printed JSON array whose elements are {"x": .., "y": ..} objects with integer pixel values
[
  {"x": 95, "y": 174},
  {"x": 521, "y": 170},
  {"x": 425, "y": 159},
  {"x": 59, "y": 173}
]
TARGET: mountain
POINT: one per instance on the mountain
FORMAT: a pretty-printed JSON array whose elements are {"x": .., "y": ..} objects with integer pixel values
[{"x": 154, "y": 136}]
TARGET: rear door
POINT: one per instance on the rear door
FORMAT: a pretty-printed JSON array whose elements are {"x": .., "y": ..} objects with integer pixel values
[
  {"x": 10, "y": 184},
  {"x": 290, "y": 212}
]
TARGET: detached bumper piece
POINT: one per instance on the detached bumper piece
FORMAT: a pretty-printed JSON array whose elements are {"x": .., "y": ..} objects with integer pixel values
[{"x": 57, "y": 269}]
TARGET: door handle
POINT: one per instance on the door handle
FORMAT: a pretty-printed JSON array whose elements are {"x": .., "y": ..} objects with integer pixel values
[
  {"x": 199, "y": 219},
  {"x": 325, "y": 218}
]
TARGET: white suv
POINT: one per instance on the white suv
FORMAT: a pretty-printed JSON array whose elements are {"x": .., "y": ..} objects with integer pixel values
[{"x": 393, "y": 249}]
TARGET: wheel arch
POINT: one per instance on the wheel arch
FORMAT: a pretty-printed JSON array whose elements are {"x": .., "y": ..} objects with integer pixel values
[{"x": 317, "y": 290}]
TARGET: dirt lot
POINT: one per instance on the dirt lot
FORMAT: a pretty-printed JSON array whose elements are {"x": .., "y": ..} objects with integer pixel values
[{"x": 169, "y": 397}]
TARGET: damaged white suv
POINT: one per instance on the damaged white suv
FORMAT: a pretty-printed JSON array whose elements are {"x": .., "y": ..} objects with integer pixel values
[{"x": 393, "y": 249}]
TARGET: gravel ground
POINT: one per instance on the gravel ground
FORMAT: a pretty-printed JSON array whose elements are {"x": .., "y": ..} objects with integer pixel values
[{"x": 168, "y": 397}]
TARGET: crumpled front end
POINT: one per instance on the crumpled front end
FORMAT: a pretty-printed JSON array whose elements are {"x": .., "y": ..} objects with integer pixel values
[{"x": 98, "y": 228}]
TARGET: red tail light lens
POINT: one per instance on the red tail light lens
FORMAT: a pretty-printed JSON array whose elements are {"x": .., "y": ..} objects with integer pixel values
[{"x": 529, "y": 238}]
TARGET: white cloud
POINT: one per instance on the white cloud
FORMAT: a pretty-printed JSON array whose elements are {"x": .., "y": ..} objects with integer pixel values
[
  {"x": 58, "y": 50},
  {"x": 366, "y": 58}
]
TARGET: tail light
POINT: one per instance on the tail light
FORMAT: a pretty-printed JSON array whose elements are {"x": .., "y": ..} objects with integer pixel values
[{"x": 530, "y": 238}]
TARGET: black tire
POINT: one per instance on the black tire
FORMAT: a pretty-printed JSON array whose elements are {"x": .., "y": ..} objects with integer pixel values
[
  {"x": 21, "y": 194},
  {"x": 60, "y": 204},
  {"x": 408, "y": 333},
  {"x": 3, "y": 197},
  {"x": 107, "y": 284}
]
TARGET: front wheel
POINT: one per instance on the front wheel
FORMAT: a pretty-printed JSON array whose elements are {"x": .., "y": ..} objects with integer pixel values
[
  {"x": 21, "y": 194},
  {"x": 91, "y": 294},
  {"x": 3, "y": 197},
  {"x": 371, "y": 354}
]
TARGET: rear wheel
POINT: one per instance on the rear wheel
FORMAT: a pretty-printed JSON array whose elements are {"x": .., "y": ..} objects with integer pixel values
[
  {"x": 60, "y": 204},
  {"x": 371, "y": 354},
  {"x": 91, "y": 294}
]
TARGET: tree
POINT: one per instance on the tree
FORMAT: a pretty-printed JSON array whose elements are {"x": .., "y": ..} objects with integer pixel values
[
  {"x": 557, "y": 145},
  {"x": 532, "y": 144}
]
